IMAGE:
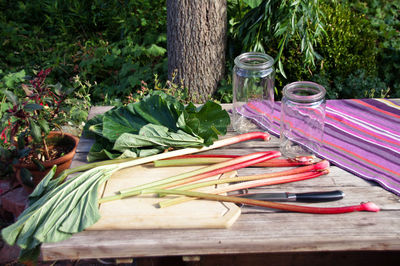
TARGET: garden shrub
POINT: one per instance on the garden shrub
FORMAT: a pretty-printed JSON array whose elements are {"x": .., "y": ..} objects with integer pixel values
[
  {"x": 112, "y": 44},
  {"x": 348, "y": 68},
  {"x": 348, "y": 50},
  {"x": 352, "y": 49},
  {"x": 384, "y": 17}
]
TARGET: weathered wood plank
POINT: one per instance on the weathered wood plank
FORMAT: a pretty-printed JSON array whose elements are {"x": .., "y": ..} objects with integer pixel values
[{"x": 252, "y": 233}]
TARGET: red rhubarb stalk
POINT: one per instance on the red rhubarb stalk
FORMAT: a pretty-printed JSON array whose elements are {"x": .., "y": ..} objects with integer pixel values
[
  {"x": 231, "y": 165},
  {"x": 292, "y": 175},
  {"x": 271, "y": 181},
  {"x": 243, "y": 185},
  {"x": 268, "y": 179},
  {"x": 369, "y": 206},
  {"x": 199, "y": 159},
  {"x": 203, "y": 170},
  {"x": 207, "y": 171}
]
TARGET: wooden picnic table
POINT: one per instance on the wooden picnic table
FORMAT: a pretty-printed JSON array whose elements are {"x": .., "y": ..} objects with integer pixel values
[{"x": 256, "y": 231}]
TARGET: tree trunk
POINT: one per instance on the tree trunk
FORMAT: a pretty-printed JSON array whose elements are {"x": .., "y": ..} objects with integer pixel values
[{"x": 196, "y": 41}]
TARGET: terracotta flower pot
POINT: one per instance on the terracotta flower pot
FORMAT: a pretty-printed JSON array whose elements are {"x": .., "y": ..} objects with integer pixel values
[{"x": 62, "y": 163}]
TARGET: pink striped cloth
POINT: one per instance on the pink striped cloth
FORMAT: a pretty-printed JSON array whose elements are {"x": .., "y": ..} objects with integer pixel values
[{"x": 361, "y": 136}]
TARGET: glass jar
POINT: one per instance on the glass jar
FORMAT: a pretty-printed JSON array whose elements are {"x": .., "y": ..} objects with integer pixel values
[
  {"x": 302, "y": 119},
  {"x": 253, "y": 91}
]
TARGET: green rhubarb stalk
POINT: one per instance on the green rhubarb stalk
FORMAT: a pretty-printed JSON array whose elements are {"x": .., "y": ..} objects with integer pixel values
[
  {"x": 369, "y": 206},
  {"x": 84, "y": 167},
  {"x": 199, "y": 173}
]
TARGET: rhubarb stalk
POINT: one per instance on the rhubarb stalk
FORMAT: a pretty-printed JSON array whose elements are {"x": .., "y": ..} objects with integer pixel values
[
  {"x": 129, "y": 162},
  {"x": 322, "y": 165},
  {"x": 369, "y": 206},
  {"x": 231, "y": 165},
  {"x": 251, "y": 181},
  {"x": 204, "y": 172},
  {"x": 200, "y": 159}
]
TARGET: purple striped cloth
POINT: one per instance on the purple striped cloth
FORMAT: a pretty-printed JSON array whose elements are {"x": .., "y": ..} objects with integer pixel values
[{"x": 361, "y": 136}]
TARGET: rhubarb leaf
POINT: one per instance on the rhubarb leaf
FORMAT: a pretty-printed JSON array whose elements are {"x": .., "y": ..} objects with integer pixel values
[
  {"x": 68, "y": 208},
  {"x": 156, "y": 135},
  {"x": 119, "y": 121},
  {"x": 159, "y": 109},
  {"x": 203, "y": 119},
  {"x": 155, "y": 123}
]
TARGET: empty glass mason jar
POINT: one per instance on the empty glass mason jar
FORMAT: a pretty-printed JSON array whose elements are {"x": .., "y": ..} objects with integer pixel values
[
  {"x": 253, "y": 91},
  {"x": 302, "y": 119}
]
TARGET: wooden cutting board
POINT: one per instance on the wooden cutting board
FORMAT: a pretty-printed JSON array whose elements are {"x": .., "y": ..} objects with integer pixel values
[{"x": 141, "y": 212}]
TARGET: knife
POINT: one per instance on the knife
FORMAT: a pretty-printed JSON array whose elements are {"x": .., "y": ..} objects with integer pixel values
[{"x": 320, "y": 196}]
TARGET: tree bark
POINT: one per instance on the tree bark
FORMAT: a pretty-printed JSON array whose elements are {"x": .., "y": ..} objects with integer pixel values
[{"x": 196, "y": 41}]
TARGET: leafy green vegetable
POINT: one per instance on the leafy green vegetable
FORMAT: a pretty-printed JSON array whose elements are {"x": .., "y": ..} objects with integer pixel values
[{"x": 152, "y": 125}]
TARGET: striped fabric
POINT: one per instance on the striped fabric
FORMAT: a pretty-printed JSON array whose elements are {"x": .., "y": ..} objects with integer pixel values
[{"x": 361, "y": 136}]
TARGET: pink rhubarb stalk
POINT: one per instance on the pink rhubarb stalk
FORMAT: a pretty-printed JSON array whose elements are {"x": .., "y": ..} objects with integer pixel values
[
  {"x": 228, "y": 166},
  {"x": 199, "y": 159},
  {"x": 255, "y": 181},
  {"x": 204, "y": 172},
  {"x": 369, "y": 206},
  {"x": 320, "y": 168}
]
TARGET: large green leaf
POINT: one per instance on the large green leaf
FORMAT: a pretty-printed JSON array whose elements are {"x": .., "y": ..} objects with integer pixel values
[
  {"x": 156, "y": 135},
  {"x": 44, "y": 186},
  {"x": 159, "y": 109},
  {"x": 49, "y": 218},
  {"x": 207, "y": 121},
  {"x": 102, "y": 150},
  {"x": 157, "y": 122},
  {"x": 93, "y": 127},
  {"x": 119, "y": 121}
]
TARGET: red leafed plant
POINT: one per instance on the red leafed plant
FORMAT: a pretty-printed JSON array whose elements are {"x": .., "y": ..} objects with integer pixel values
[{"x": 30, "y": 117}]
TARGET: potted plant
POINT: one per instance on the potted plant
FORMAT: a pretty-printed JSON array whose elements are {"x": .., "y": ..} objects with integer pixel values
[{"x": 28, "y": 130}]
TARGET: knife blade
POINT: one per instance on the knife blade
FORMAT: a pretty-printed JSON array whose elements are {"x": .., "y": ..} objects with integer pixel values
[{"x": 319, "y": 196}]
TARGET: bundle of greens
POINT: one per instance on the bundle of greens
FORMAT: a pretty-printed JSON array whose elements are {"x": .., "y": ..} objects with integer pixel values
[{"x": 150, "y": 126}]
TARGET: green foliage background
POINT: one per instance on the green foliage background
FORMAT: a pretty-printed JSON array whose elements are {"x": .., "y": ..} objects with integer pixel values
[
  {"x": 356, "y": 55},
  {"x": 115, "y": 45}
]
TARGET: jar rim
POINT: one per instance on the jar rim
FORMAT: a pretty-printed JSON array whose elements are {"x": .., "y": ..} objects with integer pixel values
[
  {"x": 246, "y": 61},
  {"x": 315, "y": 91}
]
